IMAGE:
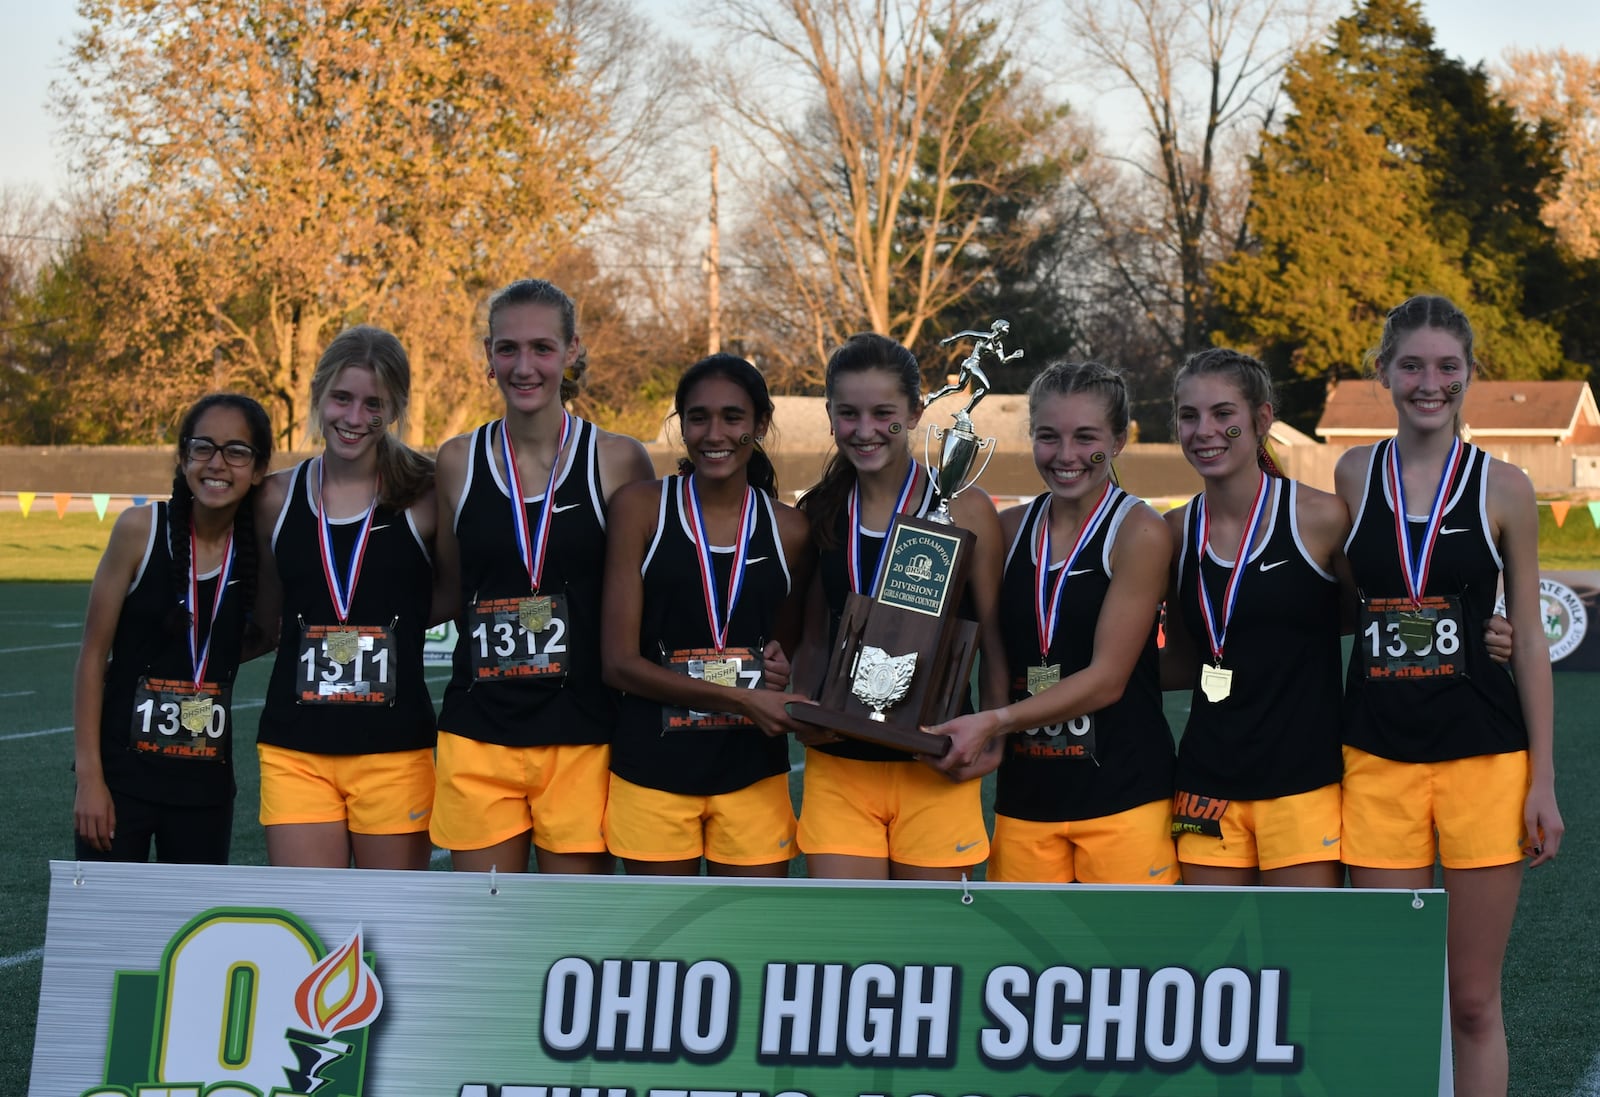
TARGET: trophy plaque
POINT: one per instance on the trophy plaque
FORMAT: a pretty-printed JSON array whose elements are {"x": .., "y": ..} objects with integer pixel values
[{"x": 902, "y": 658}]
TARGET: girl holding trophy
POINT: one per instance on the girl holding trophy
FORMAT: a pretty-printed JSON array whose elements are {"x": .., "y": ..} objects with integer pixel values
[
  {"x": 1085, "y": 784},
  {"x": 870, "y": 811},
  {"x": 702, "y": 582}
]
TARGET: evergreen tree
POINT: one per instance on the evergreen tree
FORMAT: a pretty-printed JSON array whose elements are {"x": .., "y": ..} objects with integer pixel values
[{"x": 1397, "y": 172}]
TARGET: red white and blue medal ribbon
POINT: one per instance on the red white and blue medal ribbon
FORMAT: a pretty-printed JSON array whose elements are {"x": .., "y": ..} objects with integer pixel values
[
  {"x": 853, "y": 547},
  {"x": 1217, "y": 629},
  {"x": 702, "y": 551},
  {"x": 1416, "y": 561},
  {"x": 532, "y": 544},
  {"x": 200, "y": 655},
  {"x": 1047, "y": 596},
  {"x": 342, "y": 589}
]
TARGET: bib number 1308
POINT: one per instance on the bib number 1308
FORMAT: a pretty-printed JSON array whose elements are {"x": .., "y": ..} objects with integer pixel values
[{"x": 1402, "y": 640}]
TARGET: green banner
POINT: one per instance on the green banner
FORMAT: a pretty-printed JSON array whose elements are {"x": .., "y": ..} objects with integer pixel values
[{"x": 241, "y": 982}]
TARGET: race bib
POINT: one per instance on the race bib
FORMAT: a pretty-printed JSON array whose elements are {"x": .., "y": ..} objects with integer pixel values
[
  {"x": 518, "y": 638},
  {"x": 1196, "y": 814},
  {"x": 173, "y": 718},
  {"x": 346, "y": 665},
  {"x": 1400, "y": 640},
  {"x": 1071, "y": 740},
  {"x": 736, "y": 668}
]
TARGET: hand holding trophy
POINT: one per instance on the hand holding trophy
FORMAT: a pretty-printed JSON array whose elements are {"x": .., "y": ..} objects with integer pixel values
[{"x": 903, "y": 658}]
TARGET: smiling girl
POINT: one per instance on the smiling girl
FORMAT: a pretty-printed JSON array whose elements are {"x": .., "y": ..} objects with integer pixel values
[
  {"x": 703, "y": 571},
  {"x": 1253, "y": 633},
  {"x": 525, "y": 730},
  {"x": 1446, "y": 755},
  {"x": 873, "y": 812},
  {"x": 153, "y": 728},
  {"x": 346, "y": 739},
  {"x": 1084, "y": 791}
]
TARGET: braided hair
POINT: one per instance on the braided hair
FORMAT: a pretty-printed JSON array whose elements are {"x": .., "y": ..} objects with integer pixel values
[{"x": 180, "y": 510}]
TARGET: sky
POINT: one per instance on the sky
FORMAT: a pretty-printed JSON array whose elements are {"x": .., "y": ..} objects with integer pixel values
[{"x": 34, "y": 35}]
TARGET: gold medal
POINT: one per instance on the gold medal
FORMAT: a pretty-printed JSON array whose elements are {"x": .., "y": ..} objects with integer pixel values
[
  {"x": 194, "y": 713},
  {"x": 1042, "y": 678},
  {"x": 722, "y": 672},
  {"x": 534, "y": 613},
  {"x": 342, "y": 645},
  {"x": 1416, "y": 630},
  {"x": 1216, "y": 683}
]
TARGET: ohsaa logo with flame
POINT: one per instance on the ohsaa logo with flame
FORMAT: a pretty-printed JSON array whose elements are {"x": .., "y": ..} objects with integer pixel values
[
  {"x": 248, "y": 1001},
  {"x": 340, "y": 993}
]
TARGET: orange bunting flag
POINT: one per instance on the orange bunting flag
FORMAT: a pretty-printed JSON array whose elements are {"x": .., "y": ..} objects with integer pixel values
[
  {"x": 63, "y": 500},
  {"x": 101, "y": 500},
  {"x": 25, "y": 501},
  {"x": 1558, "y": 510}
]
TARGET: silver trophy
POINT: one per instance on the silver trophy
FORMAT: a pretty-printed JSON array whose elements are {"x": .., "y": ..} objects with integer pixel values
[{"x": 960, "y": 444}]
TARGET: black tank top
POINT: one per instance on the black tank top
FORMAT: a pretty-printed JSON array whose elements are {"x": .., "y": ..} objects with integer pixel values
[
  {"x": 700, "y": 762},
  {"x": 523, "y": 712},
  {"x": 1277, "y": 732},
  {"x": 834, "y": 568},
  {"x": 1133, "y": 760},
  {"x": 1433, "y": 720},
  {"x": 396, "y": 584},
  {"x": 143, "y": 647}
]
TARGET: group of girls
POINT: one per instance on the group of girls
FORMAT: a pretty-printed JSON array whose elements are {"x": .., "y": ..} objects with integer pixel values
[{"x": 622, "y": 677}]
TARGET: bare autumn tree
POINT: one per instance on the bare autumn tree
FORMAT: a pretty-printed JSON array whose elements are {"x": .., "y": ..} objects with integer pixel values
[
  {"x": 304, "y": 167},
  {"x": 1201, "y": 72},
  {"x": 869, "y": 189},
  {"x": 1562, "y": 87}
]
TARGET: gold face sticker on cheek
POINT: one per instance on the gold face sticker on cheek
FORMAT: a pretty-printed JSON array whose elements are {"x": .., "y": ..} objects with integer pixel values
[
  {"x": 1234, "y": 431},
  {"x": 745, "y": 439},
  {"x": 1454, "y": 388},
  {"x": 896, "y": 428},
  {"x": 1098, "y": 457}
]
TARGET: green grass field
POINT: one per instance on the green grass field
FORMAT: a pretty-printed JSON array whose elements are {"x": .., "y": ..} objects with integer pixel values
[
  {"x": 45, "y": 548},
  {"x": 1551, "y": 970}
]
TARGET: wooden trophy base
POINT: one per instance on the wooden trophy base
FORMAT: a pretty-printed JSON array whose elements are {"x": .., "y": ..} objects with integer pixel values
[{"x": 909, "y": 630}]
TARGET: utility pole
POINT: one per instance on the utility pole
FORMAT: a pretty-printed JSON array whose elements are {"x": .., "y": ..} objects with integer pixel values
[{"x": 713, "y": 268}]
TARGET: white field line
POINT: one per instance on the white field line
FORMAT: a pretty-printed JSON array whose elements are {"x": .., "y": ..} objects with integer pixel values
[
  {"x": 17, "y": 693},
  {"x": 1589, "y": 1084},
  {"x": 27, "y": 956},
  {"x": 38, "y": 647}
]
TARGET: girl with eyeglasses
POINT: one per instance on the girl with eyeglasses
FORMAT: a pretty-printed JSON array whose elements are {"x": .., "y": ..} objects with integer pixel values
[
  {"x": 346, "y": 739},
  {"x": 168, "y": 611}
]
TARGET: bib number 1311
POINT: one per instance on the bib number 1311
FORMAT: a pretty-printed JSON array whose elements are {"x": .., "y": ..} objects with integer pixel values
[{"x": 346, "y": 664}]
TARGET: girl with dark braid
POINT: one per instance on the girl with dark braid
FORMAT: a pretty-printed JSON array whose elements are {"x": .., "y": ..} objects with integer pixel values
[{"x": 168, "y": 614}]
